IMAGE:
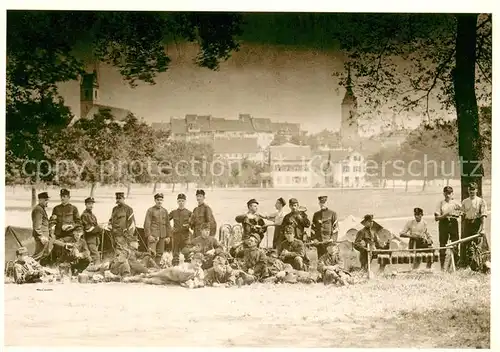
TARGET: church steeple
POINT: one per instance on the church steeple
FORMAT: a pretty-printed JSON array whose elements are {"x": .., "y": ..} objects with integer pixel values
[
  {"x": 89, "y": 91},
  {"x": 349, "y": 123}
]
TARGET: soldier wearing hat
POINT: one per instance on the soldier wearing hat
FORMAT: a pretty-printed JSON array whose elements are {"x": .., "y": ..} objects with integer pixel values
[
  {"x": 65, "y": 217},
  {"x": 208, "y": 245},
  {"x": 417, "y": 231},
  {"x": 41, "y": 232},
  {"x": 325, "y": 227},
  {"x": 26, "y": 269},
  {"x": 365, "y": 238},
  {"x": 447, "y": 214},
  {"x": 292, "y": 250},
  {"x": 91, "y": 229},
  {"x": 331, "y": 266},
  {"x": 275, "y": 268},
  {"x": 253, "y": 261},
  {"x": 65, "y": 220},
  {"x": 202, "y": 214},
  {"x": 180, "y": 233},
  {"x": 157, "y": 228},
  {"x": 122, "y": 222},
  {"x": 252, "y": 222},
  {"x": 76, "y": 252},
  {"x": 297, "y": 218},
  {"x": 474, "y": 211}
]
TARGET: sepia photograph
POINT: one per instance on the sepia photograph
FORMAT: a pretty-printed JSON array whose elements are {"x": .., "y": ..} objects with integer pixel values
[{"x": 248, "y": 179}]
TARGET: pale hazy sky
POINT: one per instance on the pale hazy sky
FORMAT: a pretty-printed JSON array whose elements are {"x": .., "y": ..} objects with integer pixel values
[{"x": 265, "y": 81}]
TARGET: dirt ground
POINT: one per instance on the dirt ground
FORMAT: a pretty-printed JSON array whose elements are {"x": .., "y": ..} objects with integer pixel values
[{"x": 433, "y": 310}]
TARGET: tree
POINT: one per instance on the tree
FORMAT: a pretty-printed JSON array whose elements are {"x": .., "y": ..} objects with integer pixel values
[
  {"x": 41, "y": 53},
  {"x": 411, "y": 59}
]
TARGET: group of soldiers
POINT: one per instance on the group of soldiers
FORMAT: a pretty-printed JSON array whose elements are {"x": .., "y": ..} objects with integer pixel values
[{"x": 182, "y": 247}]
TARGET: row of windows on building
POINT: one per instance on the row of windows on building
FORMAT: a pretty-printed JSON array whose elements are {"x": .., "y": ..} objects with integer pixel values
[
  {"x": 347, "y": 168},
  {"x": 236, "y": 155},
  {"x": 296, "y": 168},
  {"x": 292, "y": 180}
]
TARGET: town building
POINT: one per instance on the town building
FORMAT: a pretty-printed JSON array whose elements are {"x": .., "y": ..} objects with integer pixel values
[
  {"x": 290, "y": 166},
  {"x": 344, "y": 168},
  {"x": 206, "y": 128},
  {"x": 238, "y": 149}
]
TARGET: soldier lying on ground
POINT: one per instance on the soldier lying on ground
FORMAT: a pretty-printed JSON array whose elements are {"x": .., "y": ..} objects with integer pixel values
[
  {"x": 331, "y": 266},
  {"x": 220, "y": 274},
  {"x": 129, "y": 261},
  {"x": 187, "y": 275},
  {"x": 28, "y": 270},
  {"x": 292, "y": 250},
  {"x": 275, "y": 269}
]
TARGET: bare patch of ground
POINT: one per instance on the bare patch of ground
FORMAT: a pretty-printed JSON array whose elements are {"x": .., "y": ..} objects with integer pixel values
[{"x": 438, "y": 310}]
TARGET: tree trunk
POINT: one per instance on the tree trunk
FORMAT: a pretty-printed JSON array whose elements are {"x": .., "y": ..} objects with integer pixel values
[
  {"x": 33, "y": 196},
  {"x": 154, "y": 187},
  {"x": 173, "y": 187},
  {"x": 393, "y": 185},
  {"x": 92, "y": 189},
  {"x": 424, "y": 184},
  {"x": 128, "y": 189},
  {"x": 406, "y": 186},
  {"x": 469, "y": 146},
  {"x": 447, "y": 182}
]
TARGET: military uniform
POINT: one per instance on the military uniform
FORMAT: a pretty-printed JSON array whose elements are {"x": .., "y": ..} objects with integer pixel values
[
  {"x": 122, "y": 224},
  {"x": 78, "y": 256},
  {"x": 295, "y": 255},
  {"x": 324, "y": 228},
  {"x": 92, "y": 232},
  {"x": 298, "y": 220},
  {"x": 157, "y": 229},
  {"x": 224, "y": 275},
  {"x": 27, "y": 269},
  {"x": 64, "y": 215},
  {"x": 366, "y": 238},
  {"x": 330, "y": 273},
  {"x": 202, "y": 214},
  {"x": 40, "y": 222},
  {"x": 252, "y": 224},
  {"x": 474, "y": 211},
  {"x": 180, "y": 233}
]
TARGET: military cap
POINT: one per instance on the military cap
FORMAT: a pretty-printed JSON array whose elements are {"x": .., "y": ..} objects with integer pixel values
[
  {"x": 120, "y": 195},
  {"x": 418, "y": 211},
  {"x": 220, "y": 254},
  {"x": 43, "y": 195},
  {"x": 293, "y": 201},
  {"x": 282, "y": 201},
  {"x": 181, "y": 196},
  {"x": 288, "y": 229},
  {"x": 200, "y": 192},
  {"x": 366, "y": 218},
  {"x": 448, "y": 189},
  {"x": 252, "y": 201},
  {"x": 473, "y": 185},
  {"x": 89, "y": 200},
  {"x": 158, "y": 196},
  {"x": 21, "y": 250},
  {"x": 64, "y": 192},
  {"x": 273, "y": 253},
  {"x": 322, "y": 199},
  {"x": 205, "y": 226}
]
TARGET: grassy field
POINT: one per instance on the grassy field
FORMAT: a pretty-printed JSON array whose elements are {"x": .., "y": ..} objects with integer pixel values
[{"x": 432, "y": 310}]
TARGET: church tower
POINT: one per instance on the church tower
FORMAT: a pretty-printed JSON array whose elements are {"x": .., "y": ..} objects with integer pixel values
[
  {"x": 89, "y": 92},
  {"x": 349, "y": 124}
]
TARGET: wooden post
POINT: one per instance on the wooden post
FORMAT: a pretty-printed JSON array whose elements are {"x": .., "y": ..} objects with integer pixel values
[
  {"x": 452, "y": 260},
  {"x": 369, "y": 267}
]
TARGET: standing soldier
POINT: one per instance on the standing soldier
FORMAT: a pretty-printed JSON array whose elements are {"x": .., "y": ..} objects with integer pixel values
[
  {"x": 474, "y": 211},
  {"x": 91, "y": 230},
  {"x": 40, "y": 222},
  {"x": 122, "y": 222},
  {"x": 447, "y": 214},
  {"x": 180, "y": 233},
  {"x": 297, "y": 218},
  {"x": 325, "y": 227},
  {"x": 64, "y": 221},
  {"x": 202, "y": 214},
  {"x": 157, "y": 228}
]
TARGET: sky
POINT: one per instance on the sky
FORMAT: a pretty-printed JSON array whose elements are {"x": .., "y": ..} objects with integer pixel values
[{"x": 288, "y": 77}]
